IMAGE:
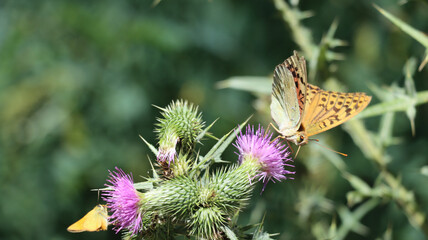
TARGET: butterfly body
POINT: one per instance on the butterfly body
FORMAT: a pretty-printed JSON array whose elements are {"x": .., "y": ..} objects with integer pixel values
[
  {"x": 301, "y": 110},
  {"x": 94, "y": 220}
]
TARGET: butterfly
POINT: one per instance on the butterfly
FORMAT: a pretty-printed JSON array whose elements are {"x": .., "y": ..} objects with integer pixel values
[
  {"x": 301, "y": 110},
  {"x": 94, "y": 220}
]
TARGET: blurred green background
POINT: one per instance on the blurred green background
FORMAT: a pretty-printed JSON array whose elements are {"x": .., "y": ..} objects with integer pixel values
[{"x": 78, "y": 80}]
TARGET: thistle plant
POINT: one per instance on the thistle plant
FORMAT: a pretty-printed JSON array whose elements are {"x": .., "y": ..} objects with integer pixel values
[
  {"x": 193, "y": 200},
  {"x": 180, "y": 123}
]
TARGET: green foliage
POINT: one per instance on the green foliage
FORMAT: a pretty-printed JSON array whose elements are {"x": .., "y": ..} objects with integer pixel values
[
  {"x": 78, "y": 79},
  {"x": 417, "y": 35},
  {"x": 388, "y": 187}
]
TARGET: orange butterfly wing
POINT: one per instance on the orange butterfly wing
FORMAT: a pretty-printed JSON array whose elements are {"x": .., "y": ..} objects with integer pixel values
[
  {"x": 327, "y": 109},
  {"x": 94, "y": 220}
]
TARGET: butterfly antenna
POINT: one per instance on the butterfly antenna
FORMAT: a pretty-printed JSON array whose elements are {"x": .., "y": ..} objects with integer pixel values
[
  {"x": 298, "y": 150},
  {"x": 316, "y": 141}
]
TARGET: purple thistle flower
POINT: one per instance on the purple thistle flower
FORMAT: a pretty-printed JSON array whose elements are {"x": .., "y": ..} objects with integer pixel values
[
  {"x": 271, "y": 156},
  {"x": 167, "y": 152},
  {"x": 123, "y": 201},
  {"x": 166, "y": 155}
]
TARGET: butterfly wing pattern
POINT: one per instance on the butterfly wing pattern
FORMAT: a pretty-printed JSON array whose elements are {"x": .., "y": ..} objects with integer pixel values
[
  {"x": 327, "y": 109},
  {"x": 288, "y": 94},
  {"x": 301, "y": 110}
]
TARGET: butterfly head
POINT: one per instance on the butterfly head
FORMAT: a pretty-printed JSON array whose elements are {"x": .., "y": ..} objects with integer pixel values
[{"x": 300, "y": 138}]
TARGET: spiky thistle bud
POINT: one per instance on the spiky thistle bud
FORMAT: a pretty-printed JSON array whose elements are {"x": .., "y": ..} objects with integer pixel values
[
  {"x": 182, "y": 164},
  {"x": 206, "y": 223},
  {"x": 220, "y": 196},
  {"x": 180, "y": 123},
  {"x": 204, "y": 205},
  {"x": 175, "y": 197}
]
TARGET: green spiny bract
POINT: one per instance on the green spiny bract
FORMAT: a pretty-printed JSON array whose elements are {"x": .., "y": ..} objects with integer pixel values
[
  {"x": 180, "y": 123},
  {"x": 233, "y": 186},
  {"x": 154, "y": 227},
  {"x": 205, "y": 205},
  {"x": 175, "y": 197},
  {"x": 220, "y": 196},
  {"x": 160, "y": 228},
  {"x": 206, "y": 223},
  {"x": 182, "y": 165}
]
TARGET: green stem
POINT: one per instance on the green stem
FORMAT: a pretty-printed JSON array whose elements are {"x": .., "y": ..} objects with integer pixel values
[
  {"x": 359, "y": 213},
  {"x": 301, "y": 34}
]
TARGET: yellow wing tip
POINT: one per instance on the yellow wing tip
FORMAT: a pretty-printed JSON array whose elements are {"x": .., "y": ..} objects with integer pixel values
[
  {"x": 74, "y": 229},
  {"x": 94, "y": 221},
  {"x": 368, "y": 99}
]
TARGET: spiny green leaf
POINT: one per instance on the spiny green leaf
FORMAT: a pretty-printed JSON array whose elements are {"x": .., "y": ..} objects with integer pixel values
[
  {"x": 259, "y": 234},
  {"x": 301, "y": 35},
  {"x": 321, "y": 53},
  {"x": 221, "y": 145},
  {"x": 365, "y": 141},
  {"x": 205, "y": 132},
  {"x": 388, "y": 233},
  {"x": 386, "y": 128},
  {"x": 138, "y": 186},
  {"x": 358, "y": 184},
  {"x": 354, "y": 197},
  {"x": 351, "y": 220},
  {"x": 256, "y": 85},
  {"x": 409, "y": 70},
  {"x": 229, "y": 233},
  {"x": 151, "y": 147},
  {"x": 405, "y": 199},
  {"x": 414, "y": 33}
]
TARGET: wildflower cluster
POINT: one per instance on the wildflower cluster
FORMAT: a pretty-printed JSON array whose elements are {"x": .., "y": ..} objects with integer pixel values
[{"x": 184, "y": 196}]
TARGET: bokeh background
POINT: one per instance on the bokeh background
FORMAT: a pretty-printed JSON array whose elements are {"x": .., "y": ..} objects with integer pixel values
[{"x": 78, "y": 80}]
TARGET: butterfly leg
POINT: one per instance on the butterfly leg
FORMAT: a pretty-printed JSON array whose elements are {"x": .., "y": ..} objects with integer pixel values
[
  {"x": 276, "y": 139},
  {"x": 289, "y": 146},
  {"x": 280, "y": 136},
  {"x": 273, "y": 126}
]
